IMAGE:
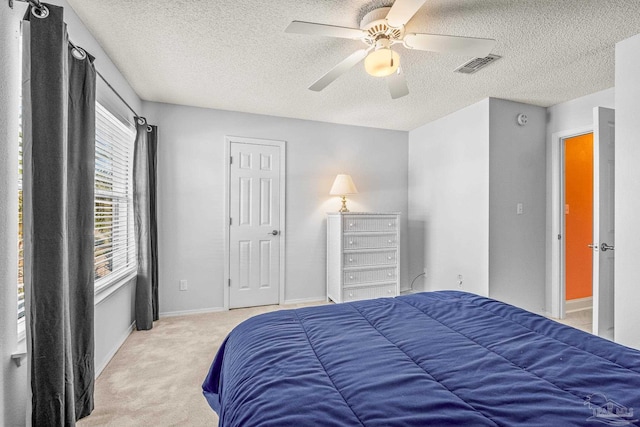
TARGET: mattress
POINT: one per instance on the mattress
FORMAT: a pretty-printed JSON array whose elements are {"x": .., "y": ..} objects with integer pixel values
[{"x": 436, "y": 358}]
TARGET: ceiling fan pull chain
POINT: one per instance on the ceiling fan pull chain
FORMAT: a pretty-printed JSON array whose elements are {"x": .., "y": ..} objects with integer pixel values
[{"x": 391, "y": 54}]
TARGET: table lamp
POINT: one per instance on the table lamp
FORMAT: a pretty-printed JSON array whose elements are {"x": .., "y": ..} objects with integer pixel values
[{"x": 343, "y": 186}]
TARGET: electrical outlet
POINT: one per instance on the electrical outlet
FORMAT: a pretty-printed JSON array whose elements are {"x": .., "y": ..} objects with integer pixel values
[
  {"x": 183, "y": 285},
  {"x": 519, "y": 209},
  {"x": 459, "y": 280}
]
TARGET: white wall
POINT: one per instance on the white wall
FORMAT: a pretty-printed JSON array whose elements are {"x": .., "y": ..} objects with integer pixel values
[
  {"x": 467, "y": 172},
  {"x": 114, "y": 321},
  {"x": 113, "y": 315},
  {"x": 567, "y": 116},
  {"x": 517, "y": 175},
  {"x": 191, "y": 165},
  {"x": 449, "y": 201},
  {"x": 627, "y": 205}
]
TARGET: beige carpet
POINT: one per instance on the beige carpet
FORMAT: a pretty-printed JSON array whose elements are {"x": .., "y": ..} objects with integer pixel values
[{"x": 155, "y": 378}]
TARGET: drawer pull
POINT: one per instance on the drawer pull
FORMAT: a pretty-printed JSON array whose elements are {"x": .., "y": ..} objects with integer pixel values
[
  {"x": 350, "y": 224},
  {"x": 390, "y": 224},
  {"x": 351, "y": 277},
  {"x": 388, "y": 291},
  {"x": 350, "y": 259},
  {"x": 389, "y": 274},
  {"x": 351, "y": 242},
  {"x": 350, "y": 294},
  {"x": 388, "y": 257},
  {"x": 389, "y": 241}
]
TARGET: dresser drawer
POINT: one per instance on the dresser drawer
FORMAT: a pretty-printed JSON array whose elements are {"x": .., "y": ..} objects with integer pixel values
[
  {"x": 364, "y": 241},
  {"x": 355, "y": 223},
  {"x": 358, "y": 259},
  {"x": 368, "y": 292},
  {"x": 353, "y": 277}
]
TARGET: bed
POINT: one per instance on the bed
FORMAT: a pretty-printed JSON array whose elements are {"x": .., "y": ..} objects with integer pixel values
[{"x": 435, "y": 358}]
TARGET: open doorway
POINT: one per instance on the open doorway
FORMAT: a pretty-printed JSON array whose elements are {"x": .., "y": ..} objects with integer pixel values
[
  {"x": 602, "y": 244},
  {"x": 578, "y": 229}
]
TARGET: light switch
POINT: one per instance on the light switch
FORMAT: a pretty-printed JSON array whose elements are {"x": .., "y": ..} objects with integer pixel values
[
  {"x": 183, "y": 285},
  {"x": 519, "y": 209}
]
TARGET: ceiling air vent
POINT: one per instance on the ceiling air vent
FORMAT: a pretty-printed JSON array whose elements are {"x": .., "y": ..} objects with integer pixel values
[{"x": 476, "y": 64}]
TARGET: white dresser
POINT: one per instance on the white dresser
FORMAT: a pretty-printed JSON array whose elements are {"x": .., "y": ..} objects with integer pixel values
[{"x": 363, "y": 255}]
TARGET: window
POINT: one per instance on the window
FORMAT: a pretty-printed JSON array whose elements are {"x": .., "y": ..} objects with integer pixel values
[
  {"x": 114, "y": 233},
  {"x": 21, "y": 311}
]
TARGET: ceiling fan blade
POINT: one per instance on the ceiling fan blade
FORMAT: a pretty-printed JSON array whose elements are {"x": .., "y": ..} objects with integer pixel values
[
  {"x": 313, "y": 29},
  {"x": 397, "y": 84},
  {"x": 450, "y": 44},
  {"x": 339, "y": 70},
  {"x": 402, "y": 11}
]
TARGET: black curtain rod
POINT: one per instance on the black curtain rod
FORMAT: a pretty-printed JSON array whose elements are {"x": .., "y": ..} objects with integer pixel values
[{"x": 117, "y": 94}]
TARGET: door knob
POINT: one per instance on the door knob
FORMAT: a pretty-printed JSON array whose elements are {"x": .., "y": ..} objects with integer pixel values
[
  {"x": 605, "y": 247},
  {"x": 274, "y": 232}
]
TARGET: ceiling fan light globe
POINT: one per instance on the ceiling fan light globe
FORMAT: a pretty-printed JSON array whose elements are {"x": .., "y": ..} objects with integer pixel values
[{"x": 382, "y": 62}]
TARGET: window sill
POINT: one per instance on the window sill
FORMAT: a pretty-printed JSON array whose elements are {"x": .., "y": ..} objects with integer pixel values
[
  {"x": 104, "y": 290},
  {"x": 21, "y": 352}
]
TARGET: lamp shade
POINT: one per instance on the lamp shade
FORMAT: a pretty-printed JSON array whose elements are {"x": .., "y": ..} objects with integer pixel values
[{"x": 343, "y": 185}]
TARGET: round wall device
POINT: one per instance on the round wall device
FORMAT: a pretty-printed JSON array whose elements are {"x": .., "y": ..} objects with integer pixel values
[{"x": 522, "y": 119}]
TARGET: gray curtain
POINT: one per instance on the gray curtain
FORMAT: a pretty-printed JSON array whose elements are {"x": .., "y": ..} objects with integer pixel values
[
  {"x": 59, "y": 145},
  {"x": 144, "y": 209}
]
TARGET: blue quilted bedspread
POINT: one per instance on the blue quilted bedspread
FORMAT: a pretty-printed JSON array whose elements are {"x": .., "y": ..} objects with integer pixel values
[{"x": 435, "y": 358}]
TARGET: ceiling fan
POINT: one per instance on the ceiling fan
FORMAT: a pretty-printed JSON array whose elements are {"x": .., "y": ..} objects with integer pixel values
[{"x": 380, "y": 29}]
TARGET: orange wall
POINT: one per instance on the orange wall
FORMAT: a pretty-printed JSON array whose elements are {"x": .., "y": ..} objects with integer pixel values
[{"x": 578, "y": 155}]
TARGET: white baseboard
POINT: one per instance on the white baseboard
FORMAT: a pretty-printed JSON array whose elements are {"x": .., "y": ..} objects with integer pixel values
[
  {"x": 115, "y": 349},
  {"x": 196, "y": 311},
  {"x": 578, "y": 304},
  {"x": 304, "y": 300}
]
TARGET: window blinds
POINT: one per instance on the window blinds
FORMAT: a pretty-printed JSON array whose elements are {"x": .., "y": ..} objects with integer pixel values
[
  {"x": 21, "y": 312},
  {"x": 114, "y": 234}
]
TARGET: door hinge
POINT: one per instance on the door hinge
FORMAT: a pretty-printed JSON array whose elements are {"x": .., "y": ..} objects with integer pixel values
[
  {"x": 229, "y": 282},
  {"x": 230, "y": 220},
  {"x": 559, "y": 236},
  {"x": 230, "y": 160}
]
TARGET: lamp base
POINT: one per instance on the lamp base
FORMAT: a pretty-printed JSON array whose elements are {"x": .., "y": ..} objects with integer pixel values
[{"x": 344, "y": 205}]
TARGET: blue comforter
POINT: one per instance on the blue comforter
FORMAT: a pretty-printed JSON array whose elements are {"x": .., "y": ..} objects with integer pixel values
[{"x": 436, "y": 358}]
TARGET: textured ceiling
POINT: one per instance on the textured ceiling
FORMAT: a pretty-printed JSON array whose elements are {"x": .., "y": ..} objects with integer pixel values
[{"x": 234, "y": 55}]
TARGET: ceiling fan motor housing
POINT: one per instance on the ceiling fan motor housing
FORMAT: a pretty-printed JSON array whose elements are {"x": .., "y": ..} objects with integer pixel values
[{"x": 376, "y": 26}]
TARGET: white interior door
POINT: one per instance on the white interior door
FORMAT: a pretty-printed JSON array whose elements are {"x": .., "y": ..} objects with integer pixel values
[
  {"x": 603, "y": 221},
  {"x": 254, "y": 231}
]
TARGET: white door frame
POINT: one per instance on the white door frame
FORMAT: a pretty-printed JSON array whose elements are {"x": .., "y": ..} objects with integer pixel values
[
  {"x": 227, "y": 193},
  {"x": 557, "y": 218}
]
